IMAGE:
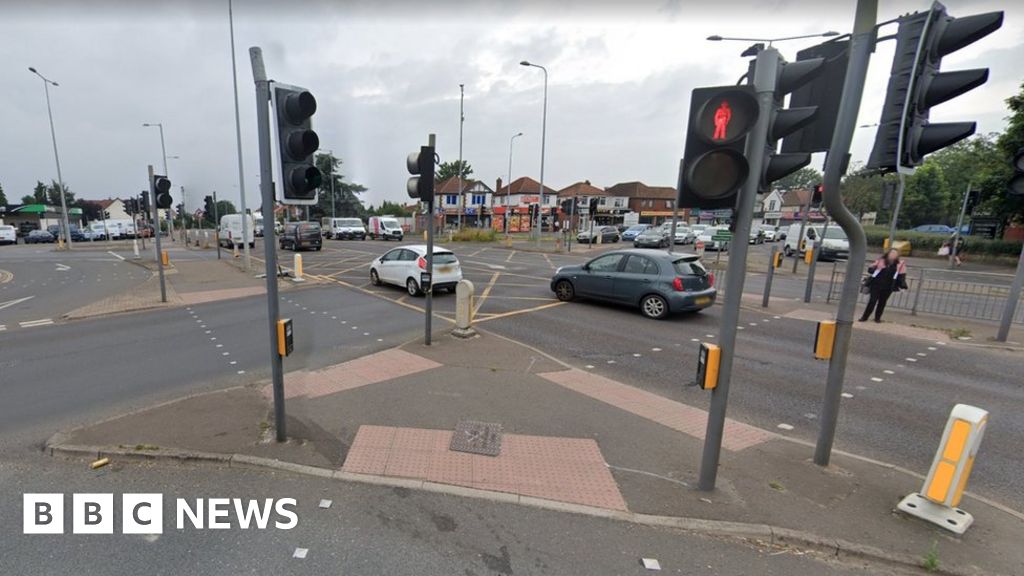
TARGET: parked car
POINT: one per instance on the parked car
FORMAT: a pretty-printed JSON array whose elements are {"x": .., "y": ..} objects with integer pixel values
[
  {"x": 39, "y": 237},
  {"x": 606, "y": 233},
  {"x": 652, "y": 238},
  {"x": 633, "y": 231},
  {"x": 657, "y": 282},
  {"x": 770, "y": 232},
  {"x": 301, "y": 235},
  {"x": 8, "y": 235},
  {"x": 403, "y": 267},
  {"x": 935, "y": 229},
  {"x": 706, "y": 237},
  {"x": 344, "y": 228},
  {"x": 385, "y": 227},
  {"x": 684, "y": 235}
]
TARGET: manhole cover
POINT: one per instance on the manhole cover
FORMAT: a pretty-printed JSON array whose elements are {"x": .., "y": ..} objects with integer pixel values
[{"x": 477, "y": 438}]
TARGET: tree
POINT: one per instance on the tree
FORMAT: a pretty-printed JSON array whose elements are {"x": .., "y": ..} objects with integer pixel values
[
  {"x": 346, "y": 203},
  {"x": 53, "y": 194},
  {"x": 90, "y": 209},
  {"x": 972, "y": 162},
  {"x": 28, "y": 199},
  {"x": 38, "y": 194},
  {"x": 862, "y": 193},
  {"x": 452, "y": 169},
  {"x": 3, "y": 197},
  {"x": 388, "y": 208},
  {"x": 805, "y": 177},
  {"x": 925, "y": 197},
  {"x": 1000, "y": 201}
]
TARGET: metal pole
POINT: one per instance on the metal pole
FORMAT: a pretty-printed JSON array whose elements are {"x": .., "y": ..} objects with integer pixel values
[
  {"x": 56, "y": 156},
  {"x": 862, "y": 43},
  {"x": 896, "y": 207},
  {"x": 238, "y": 143},
  {"x": 768, "y": 279},
  {"x": 216, "y": 224},
  {"x": 1011, "y": 301},
  {"x": 259, "y": 75},
  {"x": 543, "y": 141},
  {"x": 462, "y": 120},
  {"x": 813, "y": 266},
  {"x": 429, "y": 304},
  {"x": 917, "y": 291},
  {"x": 170, "y": 221},
  {"x": 159, "y": 254},
  {"x": 334, "y": 204},
  {"x": 184, "y": 209},
  {"x": 508, "y": 185},
  {"x": 959, "y": 224},
  {"x": 675, "y": 210},
  {"x": 764, "y": 83},
  {"x": 803, "y": 230}
]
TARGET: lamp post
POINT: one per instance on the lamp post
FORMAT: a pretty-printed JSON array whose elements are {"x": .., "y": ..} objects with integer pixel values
[
  {"x": 53, "y": 136},
  {"x": 238, "y": 144},
  {"x": 508, "y": 186},
  {"x": 717, "y": 38},
  {"x": 543, "y": 138},
  {"x": 462, "y": 120},
  {"x": 163, "y": 152}
]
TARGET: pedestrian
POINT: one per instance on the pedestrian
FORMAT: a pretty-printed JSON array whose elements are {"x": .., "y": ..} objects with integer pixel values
[
  {"x": 886, "y": 275},
  {"x": 957, "y": 246}
]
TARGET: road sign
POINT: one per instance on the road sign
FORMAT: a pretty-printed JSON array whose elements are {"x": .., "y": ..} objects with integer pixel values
[{"x": 722, "y": 236}]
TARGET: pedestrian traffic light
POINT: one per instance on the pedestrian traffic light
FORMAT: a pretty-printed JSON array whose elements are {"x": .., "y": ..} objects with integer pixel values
[
  {"x": 106, "y": 214},
  {"x": 162, "y": 190},
  {"x": 144, "y": 202},
  {"x": 818, "y": 195},
  {"x": 296, "y": 176},
  {"x": 714, "y": 166},
  {"x": 786, "y": 121},
  {"x": 421, "y": 166},
  {"x": 593, "y": 205},
  {"x": 1016, "y": 185},
  {"x": 904, "y": 134}
]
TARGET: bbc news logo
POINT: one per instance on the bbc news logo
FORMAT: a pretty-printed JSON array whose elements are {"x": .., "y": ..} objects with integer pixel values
[{"x": 144, "y": 513}]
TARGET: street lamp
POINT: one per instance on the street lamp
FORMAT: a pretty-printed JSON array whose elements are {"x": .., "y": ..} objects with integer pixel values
[
  {"x": 330, "y": 158},
  {"x": 53, "y": 136},
  {"x": 717, "y": 38},
  {"x": 543, "y": 138},
  {"x": 508, "y": 187}
]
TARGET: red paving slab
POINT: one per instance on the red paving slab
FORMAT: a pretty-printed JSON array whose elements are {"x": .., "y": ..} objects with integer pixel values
[
  {"x": 675, "y": 415},
  {"x": 563, "y": 469},
  {"x": 379, "y": 367}
]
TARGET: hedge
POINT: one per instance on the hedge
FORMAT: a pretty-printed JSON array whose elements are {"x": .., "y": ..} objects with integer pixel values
[
  {"x": 474, "y": 235},
  {"x": 923, "y": 243}
]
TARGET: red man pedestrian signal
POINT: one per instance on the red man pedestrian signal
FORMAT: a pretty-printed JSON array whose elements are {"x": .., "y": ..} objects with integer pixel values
[{"x": 722, "y": 116}]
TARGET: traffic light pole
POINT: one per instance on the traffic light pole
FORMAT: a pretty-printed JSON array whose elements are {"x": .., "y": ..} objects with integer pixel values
[
  {"x": 862, "y": 43},
  {"x": 765, "y": 78},
  {"x": 216, "y": 224},
  {"x": 1011, "y": 301},
  {"x": 896, "y": 207},
  {"x": 259, "y": 75},
  {"x": 429, "y": 294},
  {"x": 156, "y": 217},
  {"x": 675, "y": 207},
  {"x": 959, "y": 225}
]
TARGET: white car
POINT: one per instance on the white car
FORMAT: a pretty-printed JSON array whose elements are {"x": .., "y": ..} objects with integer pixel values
[
  {"x": 708, "y": 233},
  {"x": 770, "y": 232},
  {"x": 404, "y": 267},
  {"x": 684, "y": 235},
  {"x": 8, "y": 235}
]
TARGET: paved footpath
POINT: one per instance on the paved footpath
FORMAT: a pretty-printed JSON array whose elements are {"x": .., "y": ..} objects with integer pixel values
[{"x": 571, "y": 441}]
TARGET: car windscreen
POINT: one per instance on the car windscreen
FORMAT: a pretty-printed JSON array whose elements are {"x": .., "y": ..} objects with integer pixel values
[
  {"x": 835, "y": 234},
  {"x": 636, "y": 228},
  {"x": 389, "y": 223},
  {"x": 351, "y": 222},
  {"x": 689, "y": 266},
  {"x": 445, "y": 258}
]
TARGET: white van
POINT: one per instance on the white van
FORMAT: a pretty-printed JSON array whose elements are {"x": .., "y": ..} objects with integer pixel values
[
  {"x": 386, "y": 227},
  {"x": 343, "y": 228},
  {"x": 834, "y": 246},
  {"x": 231, "y": 230}
]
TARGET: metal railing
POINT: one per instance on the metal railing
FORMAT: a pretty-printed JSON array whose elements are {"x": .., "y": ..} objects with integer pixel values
[{"x": 976, "y": 295}]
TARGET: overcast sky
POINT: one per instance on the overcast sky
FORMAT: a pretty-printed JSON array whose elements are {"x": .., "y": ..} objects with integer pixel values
[{"x": 386, "y": 74}]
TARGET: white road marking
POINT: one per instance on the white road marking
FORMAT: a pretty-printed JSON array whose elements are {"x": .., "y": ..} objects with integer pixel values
[
  {"x": 847, "y": 395},
  {"x": 589, "y": 366},
  {"x": 334, "y": 317},
  {"x": 860, "y": 387},
  {"x": 225, "y": 353},
  {"x": 785, "y": 427},
  {"x": 10, "y": 303},
  {"x": 233, "y": 362},
  {"x": 911, "y": 359},
  {"x": 2, "y": 327},
  {"x": 655, "y": 349},
  {"x": 241, "y": 371},
  {"x": 888, "y": 371},
  {"x": 922, "y": 354},
  {"x": 380, "y": 339},
  {"x": 366, "y": 333},
  {"x": 753, "y": 323},
  {"x": 611, "y": 361},
  {"x": 636, "y": 355},
  {"x": 115, "y": 254},
  {"x": 220, "y": 345},
  {"x": 932, "y": 348},
  {"x": 941, "y": 343},
  {"x": 34, "y": 323},
  {"x": 739, "y": 327},
  {"x": 876, "y": 379},
  {"x": 709, "y": 335},
  {"x": 777, "y": 317},
  {"x": 64, "y": 267}
]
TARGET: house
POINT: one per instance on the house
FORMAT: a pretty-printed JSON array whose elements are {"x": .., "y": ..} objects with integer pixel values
[
  {"x": 515, "y": 199},
  {"x": 793, "y": 203},
  {"x": 771, "y": 207},
  {"x": 470, "y": 205},
  {"x": 114, "y": 208},
  {"x": 654, "y": 204}
]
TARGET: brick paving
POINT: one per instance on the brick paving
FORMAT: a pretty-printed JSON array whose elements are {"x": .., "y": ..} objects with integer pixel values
[
  {"x": 564, "y": 469},
  {"x": 675, "y": 415},
  {"x": 385, "y": 365}
]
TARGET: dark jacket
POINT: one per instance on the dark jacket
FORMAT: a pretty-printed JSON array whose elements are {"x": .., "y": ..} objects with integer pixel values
[{"x": 887, "y": 277}]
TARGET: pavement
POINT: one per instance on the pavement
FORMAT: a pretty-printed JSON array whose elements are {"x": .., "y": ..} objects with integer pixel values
[{"x": 572, "y": 440}]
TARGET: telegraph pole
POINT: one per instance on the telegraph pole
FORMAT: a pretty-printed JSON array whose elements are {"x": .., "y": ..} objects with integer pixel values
[
  {"x": 462, "y": 120},
  {"x": 862, "y": 42}
]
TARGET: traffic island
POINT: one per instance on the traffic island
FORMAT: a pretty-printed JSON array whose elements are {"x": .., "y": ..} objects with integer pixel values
[{"x": 571, "y": 440}]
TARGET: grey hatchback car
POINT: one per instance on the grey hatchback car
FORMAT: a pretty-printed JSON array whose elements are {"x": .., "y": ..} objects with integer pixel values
[{"x": 657, "y": 282}]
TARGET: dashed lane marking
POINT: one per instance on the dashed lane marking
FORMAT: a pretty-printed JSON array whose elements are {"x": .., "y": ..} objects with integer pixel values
[
  {"x": 876, "y": 379},
  {"x": 34, "y": 323},
  {"x": 785, "y": 427},
  {"x": 847, "y": 395},
  {"x": 888, "y": 372}
]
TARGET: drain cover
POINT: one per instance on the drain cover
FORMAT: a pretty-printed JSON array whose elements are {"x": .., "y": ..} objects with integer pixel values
[{"x": 476, "y": 438}]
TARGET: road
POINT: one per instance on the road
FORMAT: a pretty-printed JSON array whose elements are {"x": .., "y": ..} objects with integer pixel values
[
  {"x": 366, "y": 530},
  {"x": 901, "y": 390}
]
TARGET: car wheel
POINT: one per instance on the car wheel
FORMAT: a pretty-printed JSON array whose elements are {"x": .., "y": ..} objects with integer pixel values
[
  {"x": 412, "y": 288},
  {"x": 564, "y": 291},
  {"x": 374, "y": 278},
  {"x": 787, "y": 251},
  {"x": 654, "y": 306}
]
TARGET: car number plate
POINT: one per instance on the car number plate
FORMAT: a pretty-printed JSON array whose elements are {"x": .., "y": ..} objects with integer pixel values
[
  {"x": 702, "y": 300},
  {"x": 445, "y": 269}
]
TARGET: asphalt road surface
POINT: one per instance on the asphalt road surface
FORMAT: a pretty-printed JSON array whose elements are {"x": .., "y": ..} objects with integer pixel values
[{"x": 365, "y": 530}]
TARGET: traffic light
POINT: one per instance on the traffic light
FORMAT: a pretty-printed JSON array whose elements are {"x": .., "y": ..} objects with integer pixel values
[
  {"x": 818, "y": 195},
  {"x": 1016, "y": 185},
  {"x": 973, "y": 198},
  {"x": 786, "y": 121},
  {"x": 162, "y": 190},
  {"x": 905, "y": 135},
  {"x": 421, "y": 166},
  {"x": 824, "y": 91},
  {"x": 593, "y": 205},
  {"x": 714, "y": 166},
  {"x": 296, "y": 176},
  {"x": 144, "y": 202}
]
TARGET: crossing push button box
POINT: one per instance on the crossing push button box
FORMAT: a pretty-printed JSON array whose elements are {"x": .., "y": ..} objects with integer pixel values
[
  {"x": 707, "y": 365},
  {"x": 824, "y": 339},
  {"x": 777, "y": 260},
  {"x": 285, "y": 342}
]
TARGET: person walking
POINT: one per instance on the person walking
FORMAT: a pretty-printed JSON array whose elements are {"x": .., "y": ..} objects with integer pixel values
[{"x": 886, "y": 275}]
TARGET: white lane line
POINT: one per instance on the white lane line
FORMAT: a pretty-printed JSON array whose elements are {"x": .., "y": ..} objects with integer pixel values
[
  {"x": 655, "y": 349},
  {"x": 847, "y": 395},
  {"x": 611, "y": 361},
  {"x": 636, "y": 355},
  {"x": 922, "y": 354},
  {"x": 694, "y": 339},
  {"x": 115, "y": 254},
  {"x": 888, "y": 372},
  {"x": 876, "y": 379},
  {"x": 34, "y": 323},
  {"x": 753, "y": 323},
  {"x": 10, "y": 303},
  {"x": 65, "y": 267},
  {"x": 709, "y": 335},
  {"x": 3, "y": 327},
  {"x": 241, "y": 371},
  {"x": 911, "y": 359},
  {"x": 932, "y": 348},
  {"x": 786, "y": 427}
]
